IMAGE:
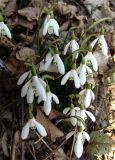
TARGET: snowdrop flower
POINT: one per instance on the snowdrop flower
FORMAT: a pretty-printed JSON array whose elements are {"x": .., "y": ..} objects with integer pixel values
[
  {"x": 82, "y": 71},
  {"x": 48, "y": 103},
  {"x": 90, "y": 57},
  {"x": 4, "y": 30},
  {"x": 73, "y": 45},
  {"x": 72, "y": 75},
  {"x": 51, "y": 26},
  {"x": 57, "y": 61},
  {"x": 83, "y": 113},
  {"x": 34, "y": 85},
  {"x": 86, "y": 96},
  {"x": 72, "y": 112},
  {"x": 33, "y": 124},
  {"x": 78, "y": 147},
  {"x": 102, "y": 43}
]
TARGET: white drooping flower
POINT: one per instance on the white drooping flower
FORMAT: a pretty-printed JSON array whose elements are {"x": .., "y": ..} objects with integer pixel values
[
  {"x": 83, "y": 113},
  {"x": 33, "y": 124},
  {"x": 32, "y": 86},
  {"x": 55, "y": 59},
  {"x": 50, "y": 26},
  {"x": 102, "y": 44},
  {"x": 71, "y": 111},
  {"x": 48, "y": 103},
  {"x": 73, "y": 45},
  {"x": 91, "y": 58},
  {"x": 78, "y": 147},
  {"x": 4, "y": 30},
  {"x": 87, "y": 96},
  {"x": 83, "y": 70},
  {"x": 72, "y": 75}
]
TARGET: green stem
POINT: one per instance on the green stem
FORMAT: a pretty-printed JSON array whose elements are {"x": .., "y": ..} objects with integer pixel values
[{"x": 30, "y": 110}]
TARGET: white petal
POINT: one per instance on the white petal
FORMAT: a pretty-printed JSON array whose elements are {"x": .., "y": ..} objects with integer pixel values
[
  {"x": 30, "y": 95},
  {"x": 87, "y": 99},
  {"x": 82, "y": 92},
  {"x": 76, "y": 79},
  {"x": 48, "y": 56},
  {"x": 6, "y": 30},
  {"x": 94, "y": 63},
  {"x": 40, "y": 129},
  {"x": 72, "y": 119},
  {"x": 66, "y": 48},
  {"x": 104, "y": 46},
  {"x": 65, "y": 78},
  {"x": 83, "y": 114},
  {"x": 48, "y": 63},
  {"x": 69, "y": 135},
  {"x": 78, "y": 148},
  {"x": 25, "y": 89},
  {"x": 45, "y": 28},
  {"x": 47, "y": 104},
  {"x": 46, "y": 20},
  {"x": 89, "y": 70},
  {"x": 22, "y": 78},
  {"x": 39, "y": 88},
  {"x": 92, "y": 95},
  {"x": 66, "y": 110},
  {"x": 39, "y": 100},
  {"x": 74, "y": 45},
  {"x": 55, "y": 26},
  {"x": 25, "y": 131},
  {"x": 91, "y": 116},
  {"x": 94, "y": 42},
  {"x": 55, "y": 98},
  {"x": 60, "y": 64},
  {"x": 86, "y": 135},
  {"x": 82, "y": 75}
]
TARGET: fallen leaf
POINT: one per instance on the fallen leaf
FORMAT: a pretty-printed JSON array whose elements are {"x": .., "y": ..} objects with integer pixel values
[
  {"x": 27, "y": 39},
  {"x": 6, "y": 42},
  {"x": 31, "y": 13},
  {"x": 14, "y": 66},
  {"x": 111, "y": 39},
  {"x": 5, "y": 144},
  {"x": 11, "y": 7},
  {"x": 21, "y": 21},
  {"x": 60, "y": 155},
  {"x": 3, "y": 3},
  {"x": 25, "y": 53},
  {"x": 107, "y": 11},
  {"x": 52, "y": 131},
  {"x": 65, "y": 26},
  {"x": 54, "y": 114},
  {"x": 67, "y": 9}
]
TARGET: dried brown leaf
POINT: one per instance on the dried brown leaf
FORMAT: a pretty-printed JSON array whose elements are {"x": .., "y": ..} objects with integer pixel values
[
  {"x": 54, "y": 114},
  {"x": 107, "y": 11},
  {"x": 5, "y": 145},
  {"x": 111, "y": 40},
  {"x": 31, "y": 13},
  {"x": 66, "y": 9},
  {"x": 3, "y": 3},
  {"x": 14, "y": 66},
  {"x": 65, "y": 26},
  {"x": 25, "y": 53},
  {"x": 11, "y": 7},
  {"x": 60, "y": 155},
  {"x": 27, "y": 39},
  {"x": 6, "y": 42},
  {"x": 52, "y": 131},
  {"x": 20, "y": 21}
]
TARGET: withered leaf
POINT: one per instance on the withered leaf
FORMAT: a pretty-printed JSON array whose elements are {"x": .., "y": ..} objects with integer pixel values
[
  {"x": 3, "y": 3},
  {"x": 6, "y": 42},
  {"x": 14, "y": 66},
  {"x": 31, "y": 13},
  {"x": 25, "y": 53},
  {"x": 107, "y": 11},
  {"x": 11, "y": 7},
  {"x": 4, "y": 144},
  {"x": 52, "y": 131}
]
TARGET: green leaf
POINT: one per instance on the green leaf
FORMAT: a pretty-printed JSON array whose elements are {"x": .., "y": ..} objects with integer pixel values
[{"x": 100, "y": 143}]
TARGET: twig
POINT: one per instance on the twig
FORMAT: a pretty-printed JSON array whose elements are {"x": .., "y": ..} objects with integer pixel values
[{"x": 41, "y": 138}]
